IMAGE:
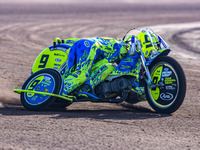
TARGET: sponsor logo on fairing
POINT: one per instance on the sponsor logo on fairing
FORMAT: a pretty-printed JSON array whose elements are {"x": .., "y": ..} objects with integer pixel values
[
  {"x": 58, "y": 60},
  {"x": 166, "y": 73},
  {"x": 166, "y": 69},
  {"x": 47, "y": 78},
  {"x": 170, "y": 87},
  {"x": 166, "y": 96},
  {"x": 169, "y": 80},
  {"x": 70, "y": 42},
  {"x": 87, "y": 44},
  {"x": 57, "y": 54},
  {"x": 56, "y": 64}
]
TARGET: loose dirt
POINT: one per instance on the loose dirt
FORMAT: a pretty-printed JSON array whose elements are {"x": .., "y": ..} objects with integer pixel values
[{"x": 27, "y": 29}]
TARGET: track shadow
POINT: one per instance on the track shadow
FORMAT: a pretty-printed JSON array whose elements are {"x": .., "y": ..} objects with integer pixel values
[{"x": 131, "y": 112}]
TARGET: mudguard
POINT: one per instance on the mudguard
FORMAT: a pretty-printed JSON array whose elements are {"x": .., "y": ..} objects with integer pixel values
[{"x": 153, "y": 56}]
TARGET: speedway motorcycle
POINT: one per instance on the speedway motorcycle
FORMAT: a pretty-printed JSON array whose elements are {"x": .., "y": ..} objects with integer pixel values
[{"x": 156, "y": 77}]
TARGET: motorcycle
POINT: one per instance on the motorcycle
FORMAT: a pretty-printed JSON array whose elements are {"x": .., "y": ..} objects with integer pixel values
[{"x": 146, "y": 73}]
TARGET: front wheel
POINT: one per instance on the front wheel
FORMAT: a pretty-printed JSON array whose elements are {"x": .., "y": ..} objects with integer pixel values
[
  {"x": 46, "y": 80},
  {"x": 169, "y": 97}
]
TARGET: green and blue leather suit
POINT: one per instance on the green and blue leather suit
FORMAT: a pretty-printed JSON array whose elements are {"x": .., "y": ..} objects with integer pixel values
[{"x": 86, "y": 55}]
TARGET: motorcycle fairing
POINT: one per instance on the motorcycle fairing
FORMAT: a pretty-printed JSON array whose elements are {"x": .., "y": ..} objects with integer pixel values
[{"x": 52, "y": 57}]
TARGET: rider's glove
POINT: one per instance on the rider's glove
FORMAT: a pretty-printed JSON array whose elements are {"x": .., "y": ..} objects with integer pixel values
[{"x": 124, "y": 49}]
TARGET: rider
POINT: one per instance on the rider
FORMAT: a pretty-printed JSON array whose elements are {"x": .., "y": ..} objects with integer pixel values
[{"x": 92, "y": 59}]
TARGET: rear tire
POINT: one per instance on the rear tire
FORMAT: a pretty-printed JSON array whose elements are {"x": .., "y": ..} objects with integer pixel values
[
  {"x": 48, "y": 80},
  {"x": 167, "y": 98}
]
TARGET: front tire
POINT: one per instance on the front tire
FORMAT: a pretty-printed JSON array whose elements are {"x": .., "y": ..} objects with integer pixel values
[{"x": 167, "y": 98}]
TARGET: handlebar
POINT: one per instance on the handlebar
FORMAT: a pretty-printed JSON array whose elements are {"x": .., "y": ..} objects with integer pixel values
[{"x": 55, "y": 42}]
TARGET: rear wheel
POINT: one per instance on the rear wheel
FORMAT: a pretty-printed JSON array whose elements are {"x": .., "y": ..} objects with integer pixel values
[
  {"x": 169, "y": 97},
  {"x": 46, "y": 80}
]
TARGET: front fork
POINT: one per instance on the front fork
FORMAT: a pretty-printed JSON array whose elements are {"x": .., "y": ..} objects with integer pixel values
[{"x": 148, "y": 80}]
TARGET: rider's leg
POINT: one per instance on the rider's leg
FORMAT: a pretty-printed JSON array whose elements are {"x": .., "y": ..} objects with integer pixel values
[
  {"x": 85, "y": 54},
  {"x": 99, "y": 73}
]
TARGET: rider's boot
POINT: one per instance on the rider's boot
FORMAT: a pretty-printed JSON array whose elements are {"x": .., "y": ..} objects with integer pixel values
[{"x": 85, "y": 88}]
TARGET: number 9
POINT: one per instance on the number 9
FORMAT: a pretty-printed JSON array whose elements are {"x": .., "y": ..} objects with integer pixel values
[{"x": 43, "y": 61}]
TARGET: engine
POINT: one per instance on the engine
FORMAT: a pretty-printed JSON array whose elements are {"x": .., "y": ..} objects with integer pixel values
[{"x": 114, "y": 88}]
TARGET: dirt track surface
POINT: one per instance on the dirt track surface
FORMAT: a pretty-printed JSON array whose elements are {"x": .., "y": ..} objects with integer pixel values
[{"x": 26, "y": 29}]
